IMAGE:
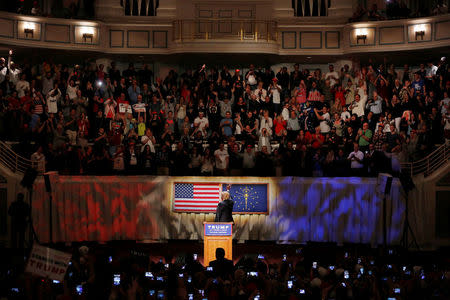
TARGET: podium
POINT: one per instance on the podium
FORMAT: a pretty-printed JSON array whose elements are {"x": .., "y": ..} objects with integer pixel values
[{"x": 217, "y": 235}]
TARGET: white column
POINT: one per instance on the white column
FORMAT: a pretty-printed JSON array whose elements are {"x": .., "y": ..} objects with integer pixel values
[
  {"x": 167, "y": 8},
  {"x": 108, "y": 9},
  {"x": 341, "y": 8},
  {"x": 282, "y": 9}
]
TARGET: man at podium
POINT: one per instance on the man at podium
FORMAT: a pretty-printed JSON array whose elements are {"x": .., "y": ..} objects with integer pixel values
[{"x": 224, "y": 212}]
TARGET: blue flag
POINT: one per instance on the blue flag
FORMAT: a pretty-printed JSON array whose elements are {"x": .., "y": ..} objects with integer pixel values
[{"x": 249, "y": 198}]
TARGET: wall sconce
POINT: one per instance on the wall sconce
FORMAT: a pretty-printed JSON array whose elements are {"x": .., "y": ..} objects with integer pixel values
[
  {"x": 361, "y": 34},
  {"x": 87, "y": 33},
  {"x": 28, "y": 29},
  {"x": 419, "y": 30}
]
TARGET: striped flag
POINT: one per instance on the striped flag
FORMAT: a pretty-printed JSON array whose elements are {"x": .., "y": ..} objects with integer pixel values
[{"x": 196, "y": 197}]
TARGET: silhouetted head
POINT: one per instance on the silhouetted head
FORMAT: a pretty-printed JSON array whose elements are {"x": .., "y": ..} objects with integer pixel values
[{"x": 220, "y": 253}]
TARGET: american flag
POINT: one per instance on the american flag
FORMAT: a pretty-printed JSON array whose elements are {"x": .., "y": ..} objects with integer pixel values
[{"x": 196, "y": 197}]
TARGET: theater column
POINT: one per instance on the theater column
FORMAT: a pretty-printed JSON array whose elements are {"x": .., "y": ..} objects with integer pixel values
[
  {"x": 105, "y": 9},
  {"x": 341, "y": 8},
  {"x": 282, "y": 9},
  {"x": 167, "y": 8}
]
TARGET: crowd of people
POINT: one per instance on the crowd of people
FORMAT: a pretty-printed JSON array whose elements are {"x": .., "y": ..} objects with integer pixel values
[
  {"x": 398, "y": 9},
  {"x": 95, "y": 119},
  {"x": 306, "y": 273}
]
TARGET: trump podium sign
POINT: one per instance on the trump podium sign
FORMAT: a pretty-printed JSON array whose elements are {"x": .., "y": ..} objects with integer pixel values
[{"x": 48, "y": 262}]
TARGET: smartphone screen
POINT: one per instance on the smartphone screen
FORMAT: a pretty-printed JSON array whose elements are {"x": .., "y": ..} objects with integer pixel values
[
  {"x": 116, "y": 279},
  {"x": 314, "y": 265}
]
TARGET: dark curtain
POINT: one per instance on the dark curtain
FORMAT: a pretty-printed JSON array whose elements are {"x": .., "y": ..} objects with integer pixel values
[
  {"x": 299, "y": 8},
  {"x": 151, "y": 8},
  {"x": 127, "y": 8},
  {"x": 307, "y": 9},
  {"x": 315, "y": 11},
  {"x": 143, "y": 7},
  {"x": 323, "y": 9},
  {"x": 135, "y": 8}
]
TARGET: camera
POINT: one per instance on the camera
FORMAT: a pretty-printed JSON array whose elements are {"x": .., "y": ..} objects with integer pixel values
[
  {"x": 397, "y": 290},
  {"x": 209, "y": 269},
  {"x": 260, "y": 256},
  {"x": 149, "y": 274},
  {"x": 254, "y": 274},
  {"x": 301, "y": 291}
]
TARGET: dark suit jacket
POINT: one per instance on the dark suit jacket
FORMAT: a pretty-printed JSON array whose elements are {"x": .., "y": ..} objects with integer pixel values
[
  {"x": 224, "y": 211},
  {"x": 222, "y": 267}
]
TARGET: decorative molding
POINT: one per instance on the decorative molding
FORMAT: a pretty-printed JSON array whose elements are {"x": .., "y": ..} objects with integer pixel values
[
  {"x": 203, "y": 13},
  {"x": 110, "y": 38},
  {"x": 13, "y": 28},
  {"x": 338, "y": 39},
  {"x": 309, "y": 32},
  {"x": 283, "y": 38},
  {"x": 165, "y": 38},
  {"x": 142, "y": 31},
  {"x": 435, "y": 30},
  {"x": 245, "y": 13},
  {"x": 57, "y": 25},
  {"x": 380, "y": 29},
  {"x": 229, "y": 11}
]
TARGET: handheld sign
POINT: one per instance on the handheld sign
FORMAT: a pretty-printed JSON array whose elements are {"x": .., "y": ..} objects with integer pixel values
[{"x": 48, "y": 262}]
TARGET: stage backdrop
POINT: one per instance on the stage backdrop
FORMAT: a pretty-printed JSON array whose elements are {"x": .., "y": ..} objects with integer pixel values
[{"x": 285, "y": 209}]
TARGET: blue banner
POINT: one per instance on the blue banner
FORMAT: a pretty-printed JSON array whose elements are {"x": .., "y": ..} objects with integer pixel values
[
  {"x": 219, "y": 229},
  {"x": 249, "y": 198}
]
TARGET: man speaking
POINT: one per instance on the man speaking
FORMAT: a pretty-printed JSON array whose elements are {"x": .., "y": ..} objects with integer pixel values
[{"x": 224, "y": 212}]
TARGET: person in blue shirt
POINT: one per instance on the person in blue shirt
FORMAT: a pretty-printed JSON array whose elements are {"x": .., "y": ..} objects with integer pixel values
[
  {"x": 418, "y": 84},
  {"x": 227, "y": 124},
  {"x": 133, "y": 91}
]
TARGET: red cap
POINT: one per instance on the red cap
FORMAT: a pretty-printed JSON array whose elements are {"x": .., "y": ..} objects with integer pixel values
[
  {"x": 237, "y": 70},
  {"x": 275, "y": 79}
]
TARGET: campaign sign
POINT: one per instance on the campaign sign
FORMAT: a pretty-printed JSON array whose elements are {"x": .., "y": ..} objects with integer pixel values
[
  {"x": 47, "y": 262},
  {"x": 219, "y": 229}
]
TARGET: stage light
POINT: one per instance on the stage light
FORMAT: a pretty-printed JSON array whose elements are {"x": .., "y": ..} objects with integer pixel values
[
  {"x": 419, "y": 30},
  {"x": 28, "y": 29},
  {"x": 361, "y": 34},
  {"x": 87, "y": 33}
]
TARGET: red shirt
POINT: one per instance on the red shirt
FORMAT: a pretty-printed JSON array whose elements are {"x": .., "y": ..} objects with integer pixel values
[
  {"x": 279, "y": 126},
  {"x": 317, "y": 140}
]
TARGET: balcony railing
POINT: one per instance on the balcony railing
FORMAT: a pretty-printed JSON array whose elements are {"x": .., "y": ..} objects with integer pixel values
[
  {"x": 429, "y": 164},
  {"x": 15, "y": 162},
  {"x": 220, "y": 29}
]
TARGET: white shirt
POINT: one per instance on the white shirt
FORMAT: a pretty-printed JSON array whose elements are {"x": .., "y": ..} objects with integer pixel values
[
  {"x": 331, "y": 76},
  {"x": 14, "y": 75},
  {"x": 276, "y": 99},
  {"x": 431, "y": 71},
  {"x": 260, "y": 94},
  {"x": 355, "y": 164},
  {"x": 145, "y": 140},
  {"x": 52, "y": 102},
  {"x": 21, "y": 86},
  {"x": 72, "y": 92},
  {"x": 285, "y": 113},
  {"x": 221, "y": 158},
  {"x": 39, "y": 159},
  {"x": 358, "y": 107},
  {"x": 345, "y": 115},
  {"x": 324, "y": 126},
  {"x": 3, "y": 74},
  {"x": 202, "y": 123},
  {"x": 267, "y": 124}
]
